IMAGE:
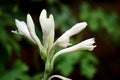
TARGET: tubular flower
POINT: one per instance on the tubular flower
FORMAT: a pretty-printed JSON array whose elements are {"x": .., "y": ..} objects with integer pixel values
[
  {"x": 64, "y": 39},
  {"x": 23, "y": 29},
  {"x": 47, "y": 25},
  {"x": 28, "y": 30},
  {"x": 84, "y": 45},
  {"x": 31, "y": 29}
]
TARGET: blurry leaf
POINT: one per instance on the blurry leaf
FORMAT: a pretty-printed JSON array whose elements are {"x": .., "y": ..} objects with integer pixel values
[
  {"x": 94, "y": 21},
  {"x": 52, "y": 1},
  {"x": 88, "y": 64},
  {"x": 99, "y": 19},
  {"x": 84, "y": 11},
  {"x": 15, "y": 8},
  {"x": 66, "y": 62},
  {"x": 3, "y": 61},
  {"x": 7, "y": 16},
  {"x": 15, "y": 47},
  {"x": 9, "y": 49},
  {"x": 17, "y": 73},
  {"x": 21, "y": 66},
  {"x": 63, "y": 21}
]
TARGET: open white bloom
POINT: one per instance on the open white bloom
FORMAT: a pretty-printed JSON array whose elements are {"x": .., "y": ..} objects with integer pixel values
[
  {"x": 28, "y": 30},
  {"x": 64, "y": 39},
  {"x": 47, "y": 25},
  {"x": 23, "y": 29},
  {"x": 60, "y": 77},
  {"x": 84, "y": 45}
]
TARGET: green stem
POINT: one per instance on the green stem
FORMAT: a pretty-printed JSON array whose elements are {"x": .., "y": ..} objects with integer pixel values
[
  {"x": 45, "y": 76},
  {"x": 48, "y": 70}
]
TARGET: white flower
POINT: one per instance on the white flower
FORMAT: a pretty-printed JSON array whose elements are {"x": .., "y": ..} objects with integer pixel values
[
  {"x": 84, "y": 45},
  {"x": 23, "y": 29},
  {"x": 31, "y": 28},
  {"x": 47, "y": 25},
  {"x": 28, "y": 30},
  {"x": 60, "y": 77},
  {"x": 64, "y": 39},
  {"x": 48, "y": 47}
]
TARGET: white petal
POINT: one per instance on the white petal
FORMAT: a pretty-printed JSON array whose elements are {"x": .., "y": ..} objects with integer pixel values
[
  {"x": 75, "y": 29},
  {"x": 43, "y": 17},
  {"x": 31, "y": 29},
  {"x": 50, "y": 32},
  {"x": 88, "y": 41},
  {"x": 16, "y": 32},
  {"x": 64, "y": 42},
  {"x": 22, "y": 29},
  {"x": 30, "y": 24},
  {"x": 60, "y": 77}
]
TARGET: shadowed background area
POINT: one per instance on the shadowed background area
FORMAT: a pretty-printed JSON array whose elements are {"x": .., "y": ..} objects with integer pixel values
[{"x": 20, "y": 60}]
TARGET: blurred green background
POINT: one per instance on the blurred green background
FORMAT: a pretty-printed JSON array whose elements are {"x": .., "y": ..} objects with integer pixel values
[{"x": 19, "y": 59}]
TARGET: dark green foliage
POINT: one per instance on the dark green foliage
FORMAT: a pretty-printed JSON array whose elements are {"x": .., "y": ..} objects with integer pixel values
[
  {"x": 66, "y": 63},
  {"x": 87, "y": 63},
  {"x": 18, "y": 72},
  {"x": 9, "y": 44},
  {"x": 64, "y": 19},
  {"x": 7, "y": 39},
  {"x": 99, "y": 20}
]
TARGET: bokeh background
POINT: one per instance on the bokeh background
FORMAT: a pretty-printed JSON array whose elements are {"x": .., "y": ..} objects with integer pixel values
[{"x": 20, "y": 60}]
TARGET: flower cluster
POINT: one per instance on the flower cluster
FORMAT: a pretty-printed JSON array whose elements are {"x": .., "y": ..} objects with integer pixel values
[{"x": 48, "y": 46}]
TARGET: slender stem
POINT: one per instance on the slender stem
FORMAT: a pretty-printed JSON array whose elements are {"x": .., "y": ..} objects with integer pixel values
[
  {"x": 48, "y": 69},
  {"x": 45, "y": 76}
]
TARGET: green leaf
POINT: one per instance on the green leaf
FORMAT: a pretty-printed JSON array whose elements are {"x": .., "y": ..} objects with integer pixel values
[
  {"x": 84, "y": 11},
  {"x": 17, "y": 73},
  {"x": 88, "y": 64},
  {"x": 66, "y": 62},
  {"x": 63, "y": 21},
  {"x": 21, "y": 66}
]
